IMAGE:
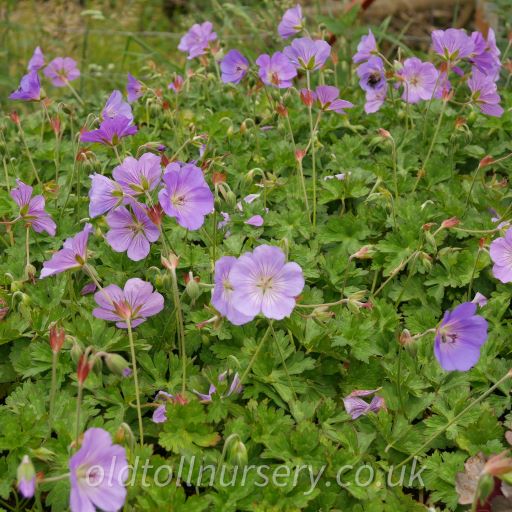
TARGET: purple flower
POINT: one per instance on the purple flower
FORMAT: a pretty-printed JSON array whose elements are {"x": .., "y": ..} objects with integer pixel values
[
  {"x": 73, "y": 254},
  {"x": 419, "y": 79},
  {"x": 111, "y": 131},
  {"x": 61, "y": 70},
  {"x": 372, "y": 75},
  {"x": 138, "y": 176},
  {"x": 115, "y": 106},
  {"x": 486, "y": 55},
  {"x": 131, "y": 231},
  {"x": 308, "y": 54},
  {"x": 485, "y": 93},
  {"x": 29, "y": 88},
  {"x": 197, "y": 40},
  {"x": 236, "y": 386},
  {"x": 88, "y": 288},
  {"x": 375, "y": 100},
  {"x": 104, "y": 195},
  {"x": 99, "y": 471},
  {"x": 452, "y": 44},
  {"x": 366, "y": 48},
  {"x": 255, "y": 220},
  {"x": 459, "y": 338},
  {"x": 234, "y": 67},
  {"x": 26, "y": 478},
  {"x": 37, "y": 60},
  {"x": 137, "y": 302},
  {"x": 328, "y": 99},
  {"x": 186, "y": 195},
  {"x": 206, "y": 397},
  {"x": 264, "y": 283},
  {"x": 32, "y": 209},
  {"x": 291, "y": 23},
  {"x": 356, "y": 406},
  {"x": 276, "y": 70},
  {"x": 501, "y": 255},
  {"x": 222, "y": 298},
  {"x": 480, "y": 300},
  {"x": 160, "y": 414},
  {"x": 134, "y": 89}
]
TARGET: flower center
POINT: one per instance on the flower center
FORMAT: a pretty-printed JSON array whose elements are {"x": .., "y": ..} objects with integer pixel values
[
  {"x": 178, "y": 201},
  {"x": 265, "y": 283},
  {"x": 374, "y": 79}
]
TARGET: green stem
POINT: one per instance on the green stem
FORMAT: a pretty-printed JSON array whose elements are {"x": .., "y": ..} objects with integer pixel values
[
  {"x": 290, "y": 383},
  {"x": 395, "y": 177},
  {"x": 116, "y": 151},
  {"x": 313, "y": 149},
  {"x": 135, "y": 381},
  {"x": 53, "y": 391},
  {"x": 75, "y": 94},
  {"x": 27, "y": 245},
  {"x": 432, "y": 143},
  {"x": 455, "y": 419},
  {"x": 468, "y": 197},
  {"x": 34, "y": 170},
  {"x": 181, "y": 331},
  {"x": 78, "y": 407},
  {"x": 256, "y": 352},
  {"x": 399, "y": 380}
]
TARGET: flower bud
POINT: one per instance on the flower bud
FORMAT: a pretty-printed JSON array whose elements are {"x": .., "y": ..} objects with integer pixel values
[
  {"x": 450, "y": 223},
  {"x": 57, "y": 337},
  {"x": 364, "y": 253},
  {"x": 486, "y": 160},
  {"x": 192, "y": 288},
  {"x": 405, "y": 338},
  {"x": 83, "y": 368},
  {"x": 282, "y": 110},
  {"x": 118, "y": 364},
  {"x": 498, "y": 465},
  {"x": 124, "y": 435},
  {"x": 299, "y": 155},
  {"x": 307, "y": 97},
  {"x": 384, "y": 133},
  {"x": 76, "y": 352},
  {"x": 171, "y": 262},
  {"x": 237, "y": 454},
  {"x": 43, "y": 454},
  {"x": 15, "y": 118},
  {"x": 231, "y": 199},
  {"x": 26, "y": 478},
  {"x": 155, "y": 213},
  {"x": 30, "y": 271},
  {"x": 218, "y": 177}
]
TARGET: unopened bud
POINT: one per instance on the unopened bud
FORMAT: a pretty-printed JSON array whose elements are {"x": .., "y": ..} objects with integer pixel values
[
  {"x": 76, "y": 352},
  {"x": 384, "y": 133},
  {"x": 4, "y": 309},
  {"x": 428, "y": 226},
  {"x": 405, "y": 338},
  {"x": 450, "y": 223},
  {"x": 192, "y": 288},
  {"x": 364, "y": 253},
  {"x": 307, "y": 97},
  {"x": 231, "y": 199},
  {"x": 237, "y": 454},
  {"x": 83, "y": 368},
  {"x": 15, "y": 118},
  {"x": 57, "y": 337},
  {"x": 155, "y": 213},
  {"x": 299, "y": 155},
  {"x": 118, "y": 364},
  {"x": 486, "y": 160},
  {"x": 124, "y": 435},
  {"x": 26, "y": 478},
  {"x": 171, "y": 262},
  {"x": 55, "y": 124},
  {"x": 282, "y": 110},
  {"x": 218, "y": 177},
  {"x": 498, "y": 465}
]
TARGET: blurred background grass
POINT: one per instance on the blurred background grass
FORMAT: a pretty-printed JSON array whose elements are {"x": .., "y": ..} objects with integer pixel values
[{"x": 108, "y": 38}]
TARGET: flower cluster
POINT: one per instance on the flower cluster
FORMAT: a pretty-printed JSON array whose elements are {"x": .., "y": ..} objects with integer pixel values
[
  {"x": 60, "y": 71},
  {"x": 422, "y": 81}
]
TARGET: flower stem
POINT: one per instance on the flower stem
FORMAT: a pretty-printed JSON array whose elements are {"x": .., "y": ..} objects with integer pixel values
[
  {"x": 75, "y": 94},
  {"x": 256, "y": 352},
  {"x": 116, "y": 151},
  {"x": 313, "y": 149},
  {"x": 78, "y": 407},
  {"x": 136, "y": 381},
  {"x": 181, "y": 330},
  {"x": 508, "y": 375},
  {"x": 53, "y": 390},
  {"x": 431, "y": 148},
  {"x": 24, "y": 141},
  {"x": 27, "y": 245},
  {"x": 473, "y": 181}
]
